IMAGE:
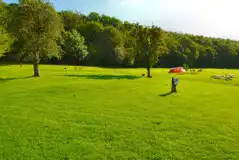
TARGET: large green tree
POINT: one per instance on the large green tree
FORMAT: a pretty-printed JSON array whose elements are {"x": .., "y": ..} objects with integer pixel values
[
  {"x": 91, "y": 31},
  {"x": 111, "y": 47},
  {"x": 74, "y": 45},
  {"x": 37, "y": 27},
  {"x": 5, "y": 39},
  {"x": 2, "y": 12},
  {"x": 93, "y": 16},
  {"x": 149, "y": 45},
  {"x": 190, "y": 48},
  {"x": 105, "y": 44},
  {"x": 72, "y": 20}
]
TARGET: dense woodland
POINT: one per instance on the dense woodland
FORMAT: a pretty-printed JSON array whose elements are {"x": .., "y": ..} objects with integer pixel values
[{"x": 100, "y": 40}]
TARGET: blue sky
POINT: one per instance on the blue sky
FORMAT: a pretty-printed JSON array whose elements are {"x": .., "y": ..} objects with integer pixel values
[{"x": 217, "y": 18}]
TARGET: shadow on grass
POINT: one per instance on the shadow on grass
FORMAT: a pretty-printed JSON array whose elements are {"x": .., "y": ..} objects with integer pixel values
[
  {"x": 2, "y": 80},
  {"x": 105, "y": 77},
  {"x": 166, "y": 94}
]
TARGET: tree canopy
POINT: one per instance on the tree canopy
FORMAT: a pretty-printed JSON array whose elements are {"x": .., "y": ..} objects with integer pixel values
[
  {"x": 150, "y": 45},
  {"x": 5, "y": 39},
  {"x": 36, "y": 27},
  {"x": 114, "y": 43},
  {"x": 74, "y": 45}
]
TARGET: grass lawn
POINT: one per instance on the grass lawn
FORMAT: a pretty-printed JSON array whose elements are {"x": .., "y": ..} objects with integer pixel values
[{"x": 96, "y": 113}]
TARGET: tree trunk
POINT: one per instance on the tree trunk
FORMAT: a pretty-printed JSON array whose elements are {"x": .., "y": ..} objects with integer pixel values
[
  {"x": 36, "y": 70},
  {"x": 77, "y": 63},
  {"x": 35, "y": 65},
  {"x": 148, "y": 67},
  {"x": 148, "y": 72}
]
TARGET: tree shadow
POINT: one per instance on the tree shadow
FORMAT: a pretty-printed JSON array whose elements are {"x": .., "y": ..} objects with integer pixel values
[
  {"x": 2, "y": 80},
  {"x": 166, "y": 94},
  {"x": 106, "y": 77}
]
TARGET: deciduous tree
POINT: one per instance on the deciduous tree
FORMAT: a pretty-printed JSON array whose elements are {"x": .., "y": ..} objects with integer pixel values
[
  {"x": 37, "y": 26},
  {"x": 149, "y": 45},
  {"x": 74, "y": 45}
]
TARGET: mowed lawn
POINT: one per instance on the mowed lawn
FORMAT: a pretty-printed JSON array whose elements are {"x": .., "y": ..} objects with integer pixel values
[{"x": 96, "y": 113}]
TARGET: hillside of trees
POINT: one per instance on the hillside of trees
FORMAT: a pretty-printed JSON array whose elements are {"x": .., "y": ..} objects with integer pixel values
[{"x": 101, "y": 40}]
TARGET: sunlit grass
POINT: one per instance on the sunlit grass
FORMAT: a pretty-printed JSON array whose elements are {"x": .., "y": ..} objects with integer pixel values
[{"x": 96, "y": 113}]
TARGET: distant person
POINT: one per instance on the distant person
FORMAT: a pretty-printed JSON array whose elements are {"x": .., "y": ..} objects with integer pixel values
[{"x": 174, "y": 85}]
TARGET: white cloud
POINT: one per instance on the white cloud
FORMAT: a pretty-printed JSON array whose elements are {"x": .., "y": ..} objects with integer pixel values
[
  {"x": 217, "y": 18},
  {"x": 207, "y": 17},
  {"x": 131, "y": 2}
]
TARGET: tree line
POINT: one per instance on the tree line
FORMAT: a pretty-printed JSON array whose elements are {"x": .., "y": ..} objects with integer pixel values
[{"x": 32, "y": 31}]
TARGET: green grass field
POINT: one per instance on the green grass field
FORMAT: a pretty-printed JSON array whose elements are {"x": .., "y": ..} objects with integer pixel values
[{"x": 96, "y": 113}]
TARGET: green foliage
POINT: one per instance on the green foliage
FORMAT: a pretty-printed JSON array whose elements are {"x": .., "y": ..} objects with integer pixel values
[
  {"x": 37, "y": 27},
  {"x": 37, "y": 33},
  {"x": 194, "y": 51},
  {"x": 110, "y": 46},
  {"x": 149, "y": 45},
  {"x": 91, "y": 31},
  {"x": 190, "y": 48},
  {"x": 105, "y": 20},
  {"x": 105, "y": 43},
  {"x": 74, "y": 45},
  {"x": 93, "y": 16},
  {"x": 2, "y": 12},
  {"x": 71, "y": 20},
  {"x": 186, "y": 66},
  {"x": 5, "y": 39},
  {"x": 117, "y": 46}
]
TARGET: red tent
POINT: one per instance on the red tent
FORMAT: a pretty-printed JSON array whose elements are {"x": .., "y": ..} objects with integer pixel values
[{"x": 177, "y": 70}]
